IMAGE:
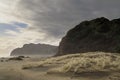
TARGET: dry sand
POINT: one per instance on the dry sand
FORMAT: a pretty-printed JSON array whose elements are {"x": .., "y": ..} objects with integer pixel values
[{"x": 12, "y": 70}]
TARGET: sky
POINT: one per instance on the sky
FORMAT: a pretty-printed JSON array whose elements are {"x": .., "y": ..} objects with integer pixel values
[{"x": 47, "y": 21}]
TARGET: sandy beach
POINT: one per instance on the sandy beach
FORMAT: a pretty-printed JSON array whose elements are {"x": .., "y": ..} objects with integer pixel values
[{"x": 41, "y": 69}]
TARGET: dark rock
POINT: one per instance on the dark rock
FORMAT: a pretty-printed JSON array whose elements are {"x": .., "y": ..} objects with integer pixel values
[
  {"x": 15, "y": 58},
  {"x": 99, "y": 34}
]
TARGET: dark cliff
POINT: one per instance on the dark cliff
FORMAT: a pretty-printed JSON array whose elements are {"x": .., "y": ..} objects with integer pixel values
[{"x": 99, "y": 34}]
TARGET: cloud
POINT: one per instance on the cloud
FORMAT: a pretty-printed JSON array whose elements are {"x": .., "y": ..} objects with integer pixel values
[
  {"x": 55, "y": 17},
  {"x": 7, "y": 10},
  {"x": 47, "y": 21},
  {"x": 10, "y": 32}
]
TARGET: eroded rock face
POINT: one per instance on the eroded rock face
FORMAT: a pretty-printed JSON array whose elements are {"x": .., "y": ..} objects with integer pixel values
[
  {"x": 99, "y": 34},
  {"x": 35, "y": 49}
]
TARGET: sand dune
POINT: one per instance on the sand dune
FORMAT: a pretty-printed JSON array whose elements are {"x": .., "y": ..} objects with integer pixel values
[{"x": 94, "y": 66}]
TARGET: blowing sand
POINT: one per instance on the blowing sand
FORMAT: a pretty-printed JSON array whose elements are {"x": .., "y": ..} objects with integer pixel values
[{"x": 58, "y": 69}]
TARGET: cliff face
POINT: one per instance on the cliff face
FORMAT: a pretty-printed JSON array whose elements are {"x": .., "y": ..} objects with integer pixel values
[
  {"x": 34, "y": 49},
  {"x": 99, "y": 34}
]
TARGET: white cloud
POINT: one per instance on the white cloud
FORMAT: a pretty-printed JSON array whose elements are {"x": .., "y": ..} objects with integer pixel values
[
  {"x": 10, "y": 32},
  {"x": 7, "y": 10}
]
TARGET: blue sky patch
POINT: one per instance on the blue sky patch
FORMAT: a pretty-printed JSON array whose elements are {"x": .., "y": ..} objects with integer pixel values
[
  {"x": 19, "y": 24},
  {"x": 13, "y": 26},
  {"x": 4, "y": 26}
]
